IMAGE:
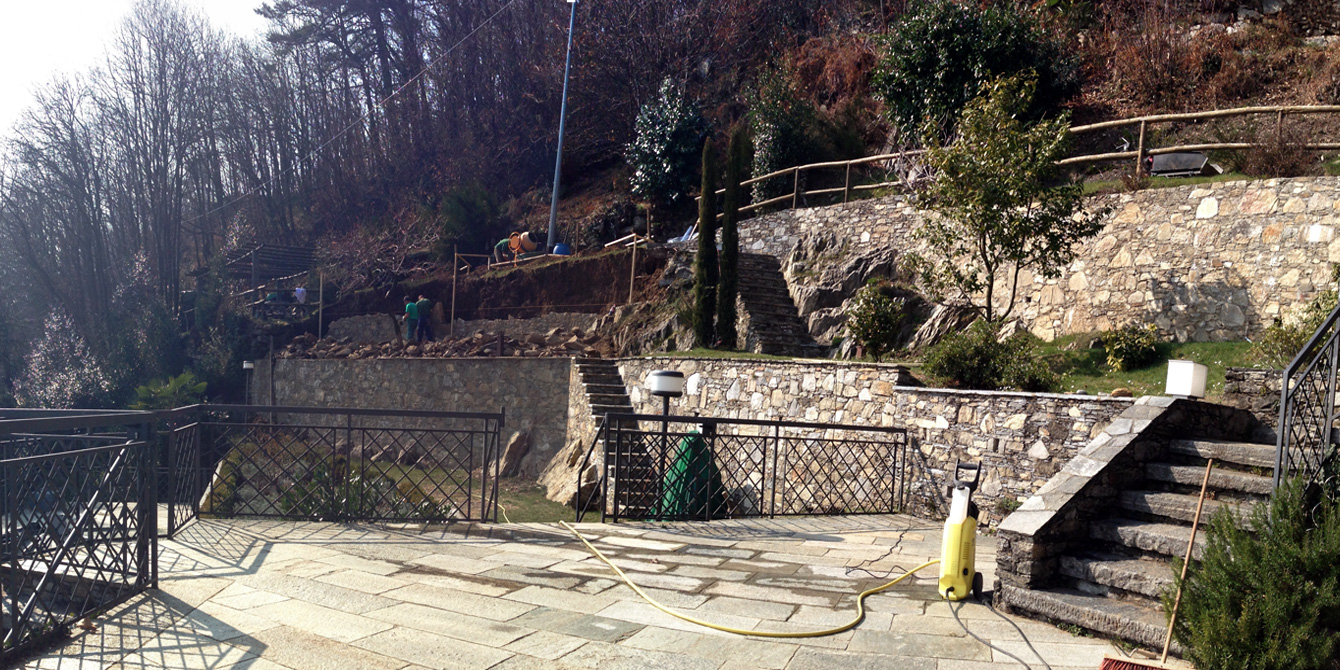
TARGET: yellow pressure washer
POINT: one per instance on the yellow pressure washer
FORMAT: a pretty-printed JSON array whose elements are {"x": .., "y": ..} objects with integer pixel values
[{"x": 958, "y": 550}]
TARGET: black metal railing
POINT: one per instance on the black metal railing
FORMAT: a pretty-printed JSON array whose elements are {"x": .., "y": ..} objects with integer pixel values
[
  {"x": 78, "y": 518},
  {"x": 686, "y": 468},
  {"x": 336, "y": 464},
  {"x": 1306, "y": 445}
]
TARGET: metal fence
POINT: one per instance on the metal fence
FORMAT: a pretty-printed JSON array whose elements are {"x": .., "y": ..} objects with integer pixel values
[
  {"x": 687, "y": 468},
  {"x": 333, "y": 464},
  {"x": 77, "y": 518},
  {"x": 1307, "y": 440}
]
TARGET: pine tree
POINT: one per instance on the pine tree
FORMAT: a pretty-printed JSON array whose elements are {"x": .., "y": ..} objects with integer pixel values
[
  {"x": 737, "y": 158},
  {"x": 705, "y": 265}
]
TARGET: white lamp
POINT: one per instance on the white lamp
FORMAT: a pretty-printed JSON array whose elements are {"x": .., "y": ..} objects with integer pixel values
[
  {"x": 1187, "y": 379},
  {"x": 248, "y": 365},
  {"x": 665, "y": 383}
]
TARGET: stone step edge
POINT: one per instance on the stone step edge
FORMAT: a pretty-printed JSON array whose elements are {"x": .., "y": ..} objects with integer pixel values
[
  {"x": 1148, "y": 581},
  {"x": 1052, "y": 606},
  {"x": 1220, "y": 480},
  {"x": 1148, "y": 537}
]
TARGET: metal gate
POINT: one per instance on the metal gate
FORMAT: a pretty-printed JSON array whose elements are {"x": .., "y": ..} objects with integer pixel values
[
  {"x": 679, "y": 468},
  {"x": 334, "y": 464}
]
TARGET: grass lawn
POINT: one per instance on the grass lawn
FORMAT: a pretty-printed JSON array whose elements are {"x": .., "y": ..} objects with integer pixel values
[
  {"x": 1086, "y": 369},
  {"x": 524, "y": 502}
]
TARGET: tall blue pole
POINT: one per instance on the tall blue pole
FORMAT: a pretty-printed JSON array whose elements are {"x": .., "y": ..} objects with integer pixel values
[{"x": 562, "y": 119}]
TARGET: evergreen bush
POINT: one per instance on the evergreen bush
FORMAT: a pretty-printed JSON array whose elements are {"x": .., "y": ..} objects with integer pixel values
[
  {"x": 1131, "y": 347},
  {"x": 784, "y": 129},
  {"x": 664, "y": 153},
  {"x": 1266, "y": 597},
  {"x": 942, "y": 51},
  {"x": 705, "y": 270},
  {"x": 737, "y": 156},
  {"x": 873, "y": 317},
  {"x": 977, "y": 358}
]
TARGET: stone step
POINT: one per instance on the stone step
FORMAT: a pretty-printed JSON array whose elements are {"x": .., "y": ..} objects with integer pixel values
[
  {"x": 1150, "y": 578},
  {"x": 601, "y": 410},
  {"x": 1239, "y": 453},
  {"x": 1222, "y": 480},
  {"x": 606, "y": 389},
  {"x": 1165, "y": 539},
  {"x": 608, "y": 399},
  {"x": 1179, "y": 506},
  {"x": 602, "y": 380},
  {"x": 1134, "y": 620}
]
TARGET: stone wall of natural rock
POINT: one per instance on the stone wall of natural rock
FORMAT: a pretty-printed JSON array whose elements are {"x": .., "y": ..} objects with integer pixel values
[
  {"x": 379, "y": 328},
  {"x": 1021, "y": 438},
  {"x": 533, "y": 392},
  {"x": 1257, "y": 391},
  {"x": 1205, "y": 262}
]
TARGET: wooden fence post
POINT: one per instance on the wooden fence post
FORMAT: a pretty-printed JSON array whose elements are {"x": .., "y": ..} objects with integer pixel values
[
  {"x": 795, "y": 190},
  {"x": 846, "y": 188},
  {"x": 1140, "y": 152},
  {"x": 455, "y": 267},
  {"x": 1279, "y": 127}
]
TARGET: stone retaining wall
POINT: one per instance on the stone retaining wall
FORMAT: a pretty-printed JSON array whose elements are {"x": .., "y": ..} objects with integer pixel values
[
  {"x": 534, "y": 392},
  {"x": 1257, "y": 391},
  {"x": 1207, "y": 262},
  {"x": 1021, "y": 438},
  {"x": 379, "y": 328}
]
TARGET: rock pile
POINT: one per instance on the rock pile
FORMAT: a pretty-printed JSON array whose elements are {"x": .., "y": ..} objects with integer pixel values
[{"x": 558, "y": 342}]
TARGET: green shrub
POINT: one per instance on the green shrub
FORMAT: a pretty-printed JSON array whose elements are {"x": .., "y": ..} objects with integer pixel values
[
  {"x": 784, "y": 126},
  {"x": 1131, "y": 347},
  {"x": 977, "y": 359},
  {"x": 665, "y": 152},
  {"x": 179, "y": 391},
  {"x": 1283, "y": 339},
  {"x": 1267, "y": 597},
  {"x": 873, "y": 318},
  {"x": 943, "y": 51}
]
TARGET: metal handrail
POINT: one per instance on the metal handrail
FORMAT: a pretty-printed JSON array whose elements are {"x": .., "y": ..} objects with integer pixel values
[
  {"x": 579, "y": 509},
  {"x": 1315, "y": 367}
]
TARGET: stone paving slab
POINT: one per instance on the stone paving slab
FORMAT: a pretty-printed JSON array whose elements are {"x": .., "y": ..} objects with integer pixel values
[{"x": 273, "y": 595}]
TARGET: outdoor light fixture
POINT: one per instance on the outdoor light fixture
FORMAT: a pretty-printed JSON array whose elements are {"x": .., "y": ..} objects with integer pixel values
[
  {"x": 665, "y": 383},
  {"x": 248, "y": 365},
  {"x": 1186, "y": 379}
]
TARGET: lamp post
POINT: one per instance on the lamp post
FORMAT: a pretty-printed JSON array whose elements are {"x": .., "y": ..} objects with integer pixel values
[
  {"x": 247, "y": 367},
  {"x": 562, "y": 118},
  {"x": 667, "y": 384}
]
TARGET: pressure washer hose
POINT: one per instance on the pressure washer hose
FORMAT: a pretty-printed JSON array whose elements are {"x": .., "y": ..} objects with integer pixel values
[{"x": 860, "y": 600}]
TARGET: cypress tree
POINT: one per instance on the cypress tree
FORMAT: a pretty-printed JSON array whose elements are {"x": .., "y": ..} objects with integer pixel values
[
  {"x": 737, "y": 158},
  {"x": 705, "y": 264}
]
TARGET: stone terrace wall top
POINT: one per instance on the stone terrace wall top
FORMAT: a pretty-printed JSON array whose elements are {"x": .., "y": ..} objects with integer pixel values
[{"x": 1204, "y": 262}]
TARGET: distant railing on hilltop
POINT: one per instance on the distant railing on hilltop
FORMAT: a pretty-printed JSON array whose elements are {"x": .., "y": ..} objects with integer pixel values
[{"x": 901, "y": 172}]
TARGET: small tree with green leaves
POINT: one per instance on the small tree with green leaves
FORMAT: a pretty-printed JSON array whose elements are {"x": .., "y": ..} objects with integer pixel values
[
  {"x": 705, "y": 263},
  {"x": 737, "y": 157},
  {"x": 873, "y": 317},
  {"x": 1000, "y": 203},
  {"x": 664, "y": 152},
  {"x": 782, "y": 123}
]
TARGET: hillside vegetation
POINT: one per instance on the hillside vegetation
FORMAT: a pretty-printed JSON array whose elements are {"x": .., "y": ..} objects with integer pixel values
[{"x": 386, "y": 134}]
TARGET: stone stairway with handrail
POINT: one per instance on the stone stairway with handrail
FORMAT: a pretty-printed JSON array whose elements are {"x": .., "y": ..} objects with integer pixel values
[
  {"x": 1111, "y": 581},
  {"x": 606, "y": 394},
  {"x": 769, "y": 320}
]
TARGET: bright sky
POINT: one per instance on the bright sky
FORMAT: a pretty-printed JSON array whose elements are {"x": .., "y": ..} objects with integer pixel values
[{"x": 41, "y": 37}]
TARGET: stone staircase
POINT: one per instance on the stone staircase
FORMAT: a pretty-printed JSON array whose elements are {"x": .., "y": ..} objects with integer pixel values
[
  {"x": 607, "y": 394},
  {"x": 1113, "y": 584},
  {"x": 769, "y": 320}
]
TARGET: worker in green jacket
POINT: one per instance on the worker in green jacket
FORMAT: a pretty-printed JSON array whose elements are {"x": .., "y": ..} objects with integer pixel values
[{"x": 411, "y": 318}]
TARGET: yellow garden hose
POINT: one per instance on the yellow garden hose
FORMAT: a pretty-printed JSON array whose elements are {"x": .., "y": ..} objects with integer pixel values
[{"x": 860, "y": 600}]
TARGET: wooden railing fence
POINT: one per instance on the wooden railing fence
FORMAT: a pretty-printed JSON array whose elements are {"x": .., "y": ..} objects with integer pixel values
[{"x": 897, "y": 160}]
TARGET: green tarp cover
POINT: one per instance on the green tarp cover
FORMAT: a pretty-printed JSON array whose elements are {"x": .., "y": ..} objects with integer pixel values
[{"x": 692, "y": 486}]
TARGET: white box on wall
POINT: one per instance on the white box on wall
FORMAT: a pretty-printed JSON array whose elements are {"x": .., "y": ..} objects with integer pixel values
[{"x": 1186, "y": 378}]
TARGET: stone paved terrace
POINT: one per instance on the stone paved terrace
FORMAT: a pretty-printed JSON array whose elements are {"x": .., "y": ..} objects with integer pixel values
[{"x": 267, "y": 595}]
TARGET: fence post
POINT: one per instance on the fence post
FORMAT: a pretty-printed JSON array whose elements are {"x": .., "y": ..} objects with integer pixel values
[
  {"x": 846, "y": 188},
  {"x": 776, "y": 478},
  {"x": 795, "y": 188},
  {"x": 1140, "y": 152},
  {"x": 173, "y": 458},
  {"x": 11, "y": 517}
]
